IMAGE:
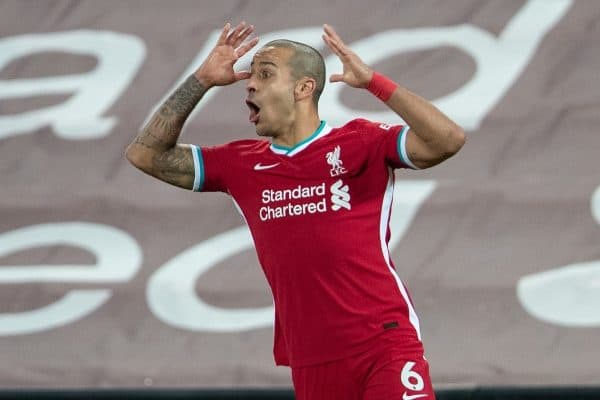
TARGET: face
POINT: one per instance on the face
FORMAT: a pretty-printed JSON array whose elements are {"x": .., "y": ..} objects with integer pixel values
[{"x": 271, "y": 91}]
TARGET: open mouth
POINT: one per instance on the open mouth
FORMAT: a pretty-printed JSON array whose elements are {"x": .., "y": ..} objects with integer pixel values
[{"x": 254, "y": 111}]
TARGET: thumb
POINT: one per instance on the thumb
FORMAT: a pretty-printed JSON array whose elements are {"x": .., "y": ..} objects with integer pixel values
[
  {"x": 336, "y": 78},
  {"x": 241, "y": 75}
]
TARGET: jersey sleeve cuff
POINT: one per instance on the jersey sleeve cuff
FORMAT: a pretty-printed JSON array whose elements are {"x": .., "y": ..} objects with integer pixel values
[
  {"x": 198, "y": 168},
  {"x": 402, "y": 153}
]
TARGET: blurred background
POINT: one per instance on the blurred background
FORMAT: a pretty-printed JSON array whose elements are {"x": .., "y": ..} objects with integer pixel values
[{"x": 110, "y": 279}]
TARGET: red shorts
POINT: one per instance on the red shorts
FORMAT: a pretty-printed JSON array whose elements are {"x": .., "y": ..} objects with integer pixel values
[{"x": 388, "y": 372}]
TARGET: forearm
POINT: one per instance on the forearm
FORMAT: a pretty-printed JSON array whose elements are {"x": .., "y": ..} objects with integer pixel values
[
  {"x": 434, "y": 128},
  {"x": 155, "y": 150},
  {"x": 433, "y": 137},
  {"x": 163, "y": 129}
]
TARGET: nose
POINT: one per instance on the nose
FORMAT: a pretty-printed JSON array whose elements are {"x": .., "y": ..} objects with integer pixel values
[{"x": 251, "y": 85}]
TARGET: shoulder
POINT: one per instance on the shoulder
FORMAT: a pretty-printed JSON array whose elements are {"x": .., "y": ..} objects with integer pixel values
[
  {"x": 355, "y": 125},
  {"x": 241, "y": 146},
  {"x": 362, "y": 125},
  {"x": 249, "y": 144},
  {"x": 367, "y": 131}
]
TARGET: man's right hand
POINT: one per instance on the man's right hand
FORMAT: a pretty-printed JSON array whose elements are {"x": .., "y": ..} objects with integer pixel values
[{"x": 217, "y": 69}]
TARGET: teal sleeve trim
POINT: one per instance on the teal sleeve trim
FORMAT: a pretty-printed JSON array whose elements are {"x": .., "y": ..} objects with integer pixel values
[
  {"x": 198, "y": 169},
  {"x": 401, "y": 148}
]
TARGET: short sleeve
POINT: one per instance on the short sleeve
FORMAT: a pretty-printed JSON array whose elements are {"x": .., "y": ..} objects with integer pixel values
[
  {"x": 209, "y": 172},
  {"x": 390, "y": 140}
]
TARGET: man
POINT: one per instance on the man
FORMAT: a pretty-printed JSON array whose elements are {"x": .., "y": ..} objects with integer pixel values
[{"x": 317, "y": 200}]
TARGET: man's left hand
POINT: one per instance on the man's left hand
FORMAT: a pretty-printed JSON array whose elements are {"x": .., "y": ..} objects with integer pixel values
[{"x": 356, "y": 73}]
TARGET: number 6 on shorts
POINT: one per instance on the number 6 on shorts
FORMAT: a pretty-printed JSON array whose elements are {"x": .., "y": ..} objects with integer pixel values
[{"x": 411, "y": 379}]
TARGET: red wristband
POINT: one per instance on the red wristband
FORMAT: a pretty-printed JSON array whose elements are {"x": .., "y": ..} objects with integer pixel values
[{"x": 381, "y": 86}]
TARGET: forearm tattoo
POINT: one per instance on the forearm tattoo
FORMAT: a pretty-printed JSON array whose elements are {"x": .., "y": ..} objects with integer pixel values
[
  {"x": 164, "y": 128},
  {"x": 170, "y": 162}
]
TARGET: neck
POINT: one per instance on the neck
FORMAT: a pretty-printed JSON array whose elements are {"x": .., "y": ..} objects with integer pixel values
[{"x": 301, "y": 128}]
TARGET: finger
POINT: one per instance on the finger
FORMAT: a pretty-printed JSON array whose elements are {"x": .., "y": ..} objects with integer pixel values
[
  {"x": 340, "y": 49},
  {"x": 336, "y": 78},
  {"x": 328, "y": 43},
  {"x": 334, "y": 48},
  {"x": 224, "y": 32},
  {"x": 232, "y": 37},
  {"x": 336, "y": 41},
  {"x": 233, "y": 34},
  {"x": 332, "y": 33},
  {"x": 241, "y": 75},
  {"x": 243, "y": 35},
  {"x": 243, "y": 49}
]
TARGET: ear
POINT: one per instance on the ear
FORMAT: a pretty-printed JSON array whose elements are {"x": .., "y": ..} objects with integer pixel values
[{"x": 304, "y": 88}]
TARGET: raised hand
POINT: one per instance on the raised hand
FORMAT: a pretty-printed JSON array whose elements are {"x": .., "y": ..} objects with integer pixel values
[
  {"x": 217, "y": 69},
  {"x": 356, "y": 73}
]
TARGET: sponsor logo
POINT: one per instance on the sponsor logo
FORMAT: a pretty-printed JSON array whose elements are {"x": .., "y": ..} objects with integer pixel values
[
  {"x": 333, "y": 159},
  {"x": 299, "y": 192},
  {"x": 340, "y": 198},
  {"x": 385, "y": 126},
  {"x": 302, "y": 200},
  {"x": 260, "y": 167},
  {"x": 293, "y": 207}
]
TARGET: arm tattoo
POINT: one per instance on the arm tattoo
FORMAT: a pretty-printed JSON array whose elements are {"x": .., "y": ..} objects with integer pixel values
[
  {"x": 184, "y": 99},
  {"x": 163, "y": 129},
  {"x": 174, "y": 165},
  {"x": 171, "y": 162}
]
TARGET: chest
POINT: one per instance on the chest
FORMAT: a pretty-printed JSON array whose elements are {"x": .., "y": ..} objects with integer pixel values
[
  {"x": 330, "y": 180},
  {"x": 324, "y": 163}
]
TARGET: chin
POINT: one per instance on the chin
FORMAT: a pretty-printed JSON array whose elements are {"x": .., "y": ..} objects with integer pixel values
[
  {"x": 259, "y": 131},
  {"x": 262, "y": 132}
]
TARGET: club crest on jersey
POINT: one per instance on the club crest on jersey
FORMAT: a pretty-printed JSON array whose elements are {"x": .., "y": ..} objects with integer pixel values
[{"x": 333, "y": 159}]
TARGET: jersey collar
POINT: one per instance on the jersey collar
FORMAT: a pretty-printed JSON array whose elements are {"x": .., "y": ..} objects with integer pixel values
[{"x": 321, "y": 131}]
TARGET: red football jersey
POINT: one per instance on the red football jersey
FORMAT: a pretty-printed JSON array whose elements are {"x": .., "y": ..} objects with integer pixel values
[{"x": 318, "y": 213}]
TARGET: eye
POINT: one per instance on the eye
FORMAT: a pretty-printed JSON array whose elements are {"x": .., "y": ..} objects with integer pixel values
[{"x": 264, "y": 74}]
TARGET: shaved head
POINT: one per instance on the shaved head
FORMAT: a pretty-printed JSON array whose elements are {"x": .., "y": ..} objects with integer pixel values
[{"x": 305, "y": 61}]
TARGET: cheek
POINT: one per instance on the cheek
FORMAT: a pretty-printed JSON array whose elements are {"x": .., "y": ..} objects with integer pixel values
[
  {"x": 281, "y": 102},
  {"x": 284, "y": 100}
]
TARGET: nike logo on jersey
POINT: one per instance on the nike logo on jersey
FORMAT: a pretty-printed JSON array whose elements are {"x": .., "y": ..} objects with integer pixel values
[
  {"x": 260, "y": 167},
  {"x": 407, "y": 396}
]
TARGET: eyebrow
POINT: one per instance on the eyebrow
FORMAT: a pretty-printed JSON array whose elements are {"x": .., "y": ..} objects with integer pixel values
[{"x": 264, "y": 63}]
